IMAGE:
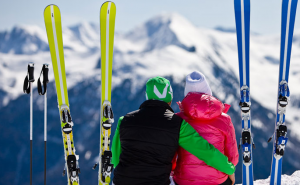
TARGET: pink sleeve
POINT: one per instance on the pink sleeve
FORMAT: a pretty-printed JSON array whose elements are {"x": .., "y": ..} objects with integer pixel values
[{"x": 231, "y": 150}]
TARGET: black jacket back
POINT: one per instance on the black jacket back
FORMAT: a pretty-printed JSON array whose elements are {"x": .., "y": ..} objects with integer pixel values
[{"x": 149, "y": 140}]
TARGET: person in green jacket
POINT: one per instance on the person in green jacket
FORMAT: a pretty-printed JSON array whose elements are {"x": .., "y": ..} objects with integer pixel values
[{"x": 147, "y": 139}]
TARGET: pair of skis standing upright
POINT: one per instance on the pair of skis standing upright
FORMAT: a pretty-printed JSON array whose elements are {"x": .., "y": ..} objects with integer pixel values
[
  {"x": 242, "y": 16},
  {"x": 52, "y": 19}
]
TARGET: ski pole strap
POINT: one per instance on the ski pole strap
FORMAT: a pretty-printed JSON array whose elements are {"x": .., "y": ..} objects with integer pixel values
[
  {"x": 29, "y": 78},
  {"x": 44, "y": 72}
]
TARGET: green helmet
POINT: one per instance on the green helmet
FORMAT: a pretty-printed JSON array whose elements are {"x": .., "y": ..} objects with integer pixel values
[{"x": 159, "y": 88}]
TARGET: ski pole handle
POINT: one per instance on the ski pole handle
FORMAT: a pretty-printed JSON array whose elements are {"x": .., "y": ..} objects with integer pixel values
[
  {"x": 29, "y": 78},
  {"x": 31, "y": 71},
  {"x": 44, "y": 72}
]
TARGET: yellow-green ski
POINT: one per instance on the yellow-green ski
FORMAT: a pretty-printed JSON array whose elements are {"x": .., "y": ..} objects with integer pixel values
[
  {"x": 54, "y": 33},
  {"x": 107, "y": 31}
]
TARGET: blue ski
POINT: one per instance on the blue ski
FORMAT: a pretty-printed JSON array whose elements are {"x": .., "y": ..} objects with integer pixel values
[
  {"x": 242, "y": 19},
  {"x": 280, "y": 135}
]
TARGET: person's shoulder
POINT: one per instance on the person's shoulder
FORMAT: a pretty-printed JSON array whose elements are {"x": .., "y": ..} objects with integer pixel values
[
  {"x": 222, "y": 123},
  {"x": 177, "y": 118},
  {"x": 130, "y": 114},
  {"x": 226, "y": 119},
  {"x": 225, "y": 115}
]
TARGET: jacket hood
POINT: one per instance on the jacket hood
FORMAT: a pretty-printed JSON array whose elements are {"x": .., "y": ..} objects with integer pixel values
[{"x": 199, "y": 106}]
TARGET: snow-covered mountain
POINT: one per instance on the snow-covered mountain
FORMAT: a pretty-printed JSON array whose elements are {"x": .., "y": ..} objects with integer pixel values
[{"x": 167, "y": 45}]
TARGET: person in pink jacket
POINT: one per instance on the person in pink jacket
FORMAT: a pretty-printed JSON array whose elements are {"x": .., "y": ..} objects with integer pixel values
[{"x": 207, "y": 115}]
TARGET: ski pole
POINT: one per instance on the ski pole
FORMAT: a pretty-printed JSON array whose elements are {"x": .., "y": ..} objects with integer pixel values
[
  {"x": 27, "y": 88},
  {"x": 42, "y": 91}
]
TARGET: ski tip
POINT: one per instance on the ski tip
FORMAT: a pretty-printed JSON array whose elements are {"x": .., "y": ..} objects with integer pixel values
[
  {"x": 105, "y": 3},
  {"x": 49, "y": 6},
  {"x": 108, "y": 2}
]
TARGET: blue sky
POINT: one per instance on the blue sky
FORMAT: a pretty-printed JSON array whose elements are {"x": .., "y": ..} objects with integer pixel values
[{"x": 265, "y": 14}]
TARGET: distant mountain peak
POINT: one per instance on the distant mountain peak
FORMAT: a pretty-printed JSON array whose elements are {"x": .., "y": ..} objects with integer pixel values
[
  {"x": 81, "y": 37},
  {"x": 23, "y": 40},
  {"x": 163, "y": 30},
  {"x": 168, "y": 17},
  {"x": 31, "y": 39},
  {"x": 85, "y": 33},
  {"x": 85, "y": 25},
  {"x": 31, "y": 29}
]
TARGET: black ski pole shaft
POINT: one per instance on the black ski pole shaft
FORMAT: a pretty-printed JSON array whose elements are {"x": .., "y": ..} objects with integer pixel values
[
  {"x": 31, "y": 117},
  {"x": 45, "y": 137},
  {"x": 31, "y": 79},
  {"x": 42, "y": 91},
  {"x": 27, "y": 88},
  {"x": 45, "y": 81}
]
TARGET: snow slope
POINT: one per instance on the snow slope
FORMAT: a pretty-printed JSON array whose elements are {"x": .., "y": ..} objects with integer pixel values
[{"x": 293, "y": 179}]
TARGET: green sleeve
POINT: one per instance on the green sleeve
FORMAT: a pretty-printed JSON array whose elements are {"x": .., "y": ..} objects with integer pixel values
[
  {"x": 116, "y": 145},
  {"x": 191, "y": 141}
]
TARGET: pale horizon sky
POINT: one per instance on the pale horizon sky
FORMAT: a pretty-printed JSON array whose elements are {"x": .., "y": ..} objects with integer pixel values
[{"x": 265, "y": 14}]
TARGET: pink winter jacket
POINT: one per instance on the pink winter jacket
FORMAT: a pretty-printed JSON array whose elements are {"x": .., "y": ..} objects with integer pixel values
[{"x": 207, "y": 115}]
